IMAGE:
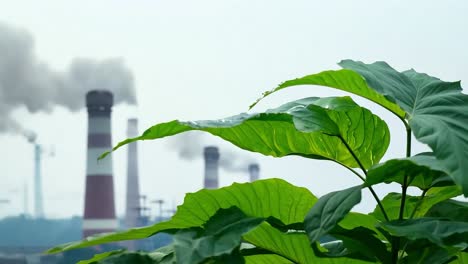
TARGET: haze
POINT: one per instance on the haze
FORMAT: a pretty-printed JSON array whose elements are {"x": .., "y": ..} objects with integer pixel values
[{"x": 205, "y": 59}]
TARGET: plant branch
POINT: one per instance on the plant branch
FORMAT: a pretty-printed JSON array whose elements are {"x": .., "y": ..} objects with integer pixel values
[
  {"x": 354, "y": 155},
  {"x": 421, "y": 198},
  {"x": 404, "y": 189},
  {"x": 353, "y": 171},
  {"x": 374, "y": 194}
]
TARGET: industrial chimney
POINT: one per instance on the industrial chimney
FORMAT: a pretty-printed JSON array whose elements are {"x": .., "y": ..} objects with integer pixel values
[
  {"x": 254, "y": 172},
  {"x": 38, "y": 203},
  {"x": 99, "y": 212},
  {"x": 132, "y": 210},
  {"x": 211, "y": 167}
]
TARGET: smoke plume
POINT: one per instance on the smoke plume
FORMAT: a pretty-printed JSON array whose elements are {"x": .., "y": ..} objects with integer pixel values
[
  {"x": 26, "y": 81},
  {"x": 189, "y": 146}
]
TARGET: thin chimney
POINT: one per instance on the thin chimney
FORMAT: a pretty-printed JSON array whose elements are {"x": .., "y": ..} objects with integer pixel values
[
  {"x": 38, "y": 202},
  {"x": 99, "y": 212},
  {"x": 254, "y": 172},
  {"x": 211, "y": 155},
  {"x": 132, "y": 212}
]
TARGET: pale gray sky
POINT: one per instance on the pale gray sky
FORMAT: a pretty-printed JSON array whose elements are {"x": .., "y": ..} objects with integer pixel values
[{"x": 211, "y": 59}]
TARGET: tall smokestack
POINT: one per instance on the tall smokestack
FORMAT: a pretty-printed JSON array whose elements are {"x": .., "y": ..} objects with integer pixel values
[
  {"x": 38, "y": 206},
  {"x": 254, "y": 172},
  {"x": 99, "y": 212},
  {"x": 211, "y": 167},
  {"x": 132, "y": 211}
]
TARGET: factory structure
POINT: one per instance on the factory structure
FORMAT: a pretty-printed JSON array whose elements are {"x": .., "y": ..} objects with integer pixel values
[
  {"x": 99, "y": 209},
  {"x": 99, "y": 214}
]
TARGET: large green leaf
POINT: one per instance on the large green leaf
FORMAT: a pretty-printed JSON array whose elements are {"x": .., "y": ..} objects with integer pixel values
[
  {"x": 98, "y": 257},
  {"x": 462, "y": 258},
  {"x": 266, "y": 259},
  {"x": 122, "y": 257},
  {"x": 221, "y": 235},
  {"x": 294, "y": 246},
  {"x": 422, "y": 251},
  {"x": 353, "y": 220},
  {"x": 264, "y": 198},
  {"x": 329, "y": 210},
  {"x": 360, "y": 243},
  {"x": 312, "y": 127},
  {"x": 436, "y": 111},
  {"x": 440, "y": 232},
  {"x": 436, "y": 195},
  {"x": 345, "y": 80},
  {"x": 421, "y": 171},
  {"x": 392, "y": 202},
  {"x": 164, "y": 255},
  {"x": 450, "y": 209}
]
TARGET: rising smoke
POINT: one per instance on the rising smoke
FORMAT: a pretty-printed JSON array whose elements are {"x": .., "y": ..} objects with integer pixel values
[
  {"x": 189, "y": 146},
  {"x": 26, "y": 81}
]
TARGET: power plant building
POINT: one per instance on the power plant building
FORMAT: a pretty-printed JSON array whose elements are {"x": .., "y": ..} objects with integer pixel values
[
  {"x": 211, "y": 155},
  {"x": 254, "y": 172},
  {"x": 99, "y": 210},
  {"x": 132, "y": 209}
]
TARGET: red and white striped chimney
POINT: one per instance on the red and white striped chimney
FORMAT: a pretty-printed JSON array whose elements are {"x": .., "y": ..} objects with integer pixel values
[
  {"x": 132, "y": 210},
  {"x": 99, "y": 212},
  {"x": 211, "y": 155},
  {"x": 254, "y": 172}
]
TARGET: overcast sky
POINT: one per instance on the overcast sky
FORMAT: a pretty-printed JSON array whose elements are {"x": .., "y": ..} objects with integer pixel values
[{"x": 210, "y": 59}]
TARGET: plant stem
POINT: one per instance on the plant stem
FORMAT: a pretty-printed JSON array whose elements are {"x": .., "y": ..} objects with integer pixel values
[
  {"x": 355, "y": 172},
  {"x": 376, "y": 197},
  {"x": 404, "y": 188},
  {"x": 354, "y": 155},
  {"x": 421, "y": 198}
]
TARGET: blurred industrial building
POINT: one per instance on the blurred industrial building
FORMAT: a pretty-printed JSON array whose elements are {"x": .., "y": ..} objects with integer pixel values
[{"x": 25, "y": 237}]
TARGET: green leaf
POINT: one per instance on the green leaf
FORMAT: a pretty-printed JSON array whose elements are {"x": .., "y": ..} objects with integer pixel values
[
  {"x": 264, "y": 198},
  {"x": 294, "y": 246},
  {"x": 329, "y": 210},
  {"x": 221, "y": 235},
  {"x": 392, "y": 201},
  {"x": 462, "y": 258},
  {"x": 436, "y": 110},
  {"x": 436, "y": 195},
  {"x": 361, "y": 243},
  {"x": 450, "y": 209},
  {"x": 266, "y": 259},
  {"x": 98, "y": 257},
  {"x": 345, "y": 80},
  {"x": 310, "y": 127},
  {"x": 422, "y": 251},
  {"x": 440, "y": 232},
  {"x": 421, "y": 170},
  {"x": 164, "y": 255},
  {"x": 353, "y": 220},
  {"x": 127, "y": 257}
]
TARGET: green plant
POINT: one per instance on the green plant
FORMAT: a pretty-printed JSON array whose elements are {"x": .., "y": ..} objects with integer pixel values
[{"x": 272, "y": 221}]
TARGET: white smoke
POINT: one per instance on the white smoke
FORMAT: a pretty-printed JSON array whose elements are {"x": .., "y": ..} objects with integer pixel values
[
  {"x": 26, "y": 81},
  {"x": 190, "y": 145}
]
